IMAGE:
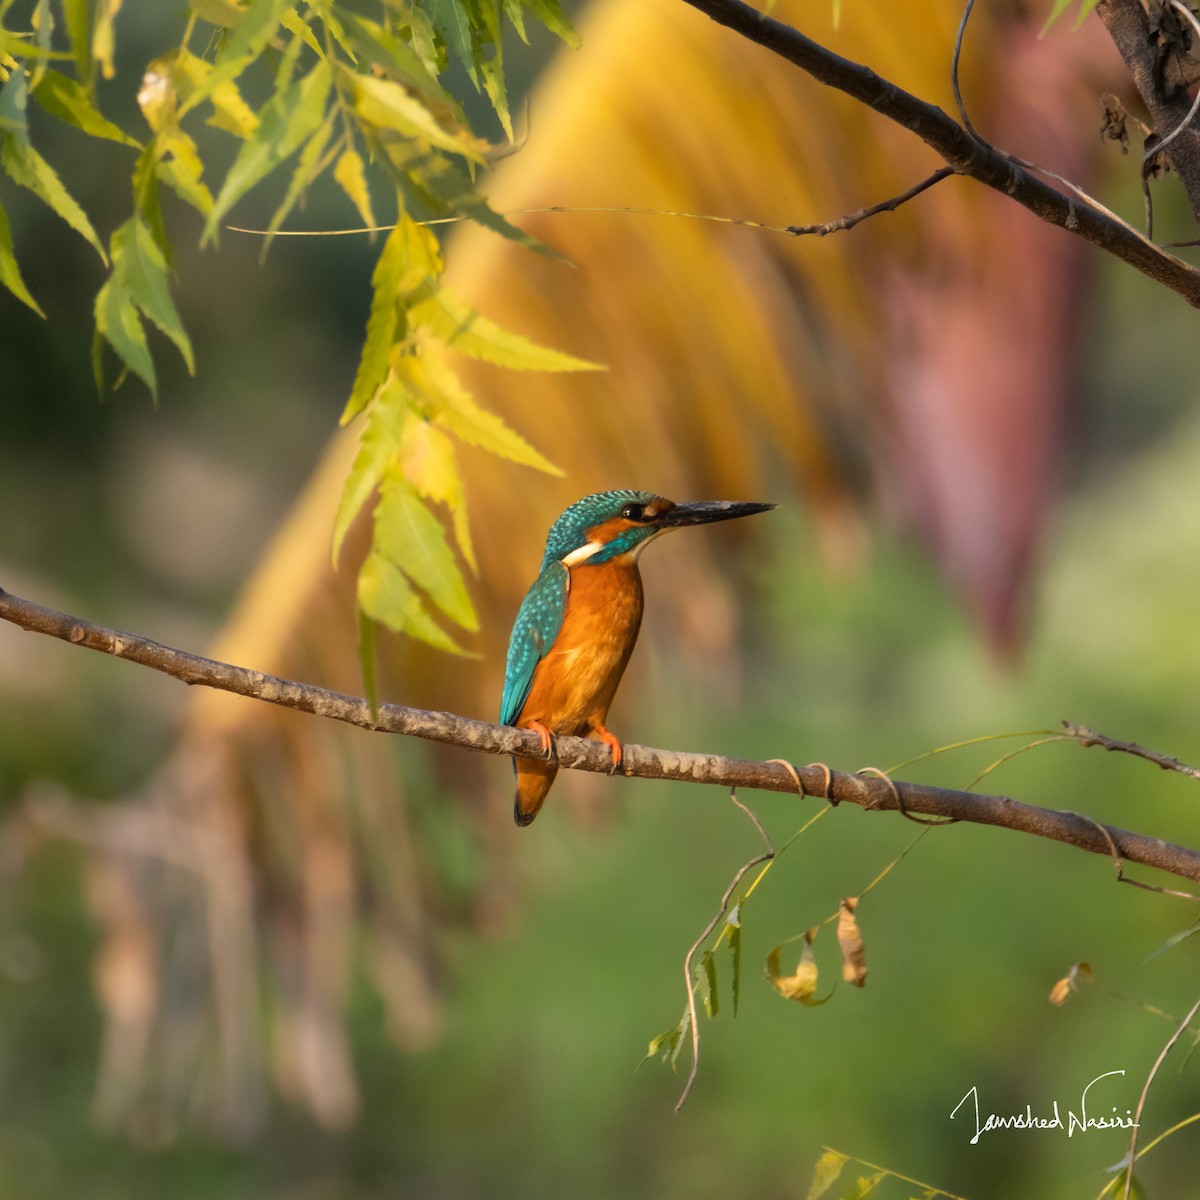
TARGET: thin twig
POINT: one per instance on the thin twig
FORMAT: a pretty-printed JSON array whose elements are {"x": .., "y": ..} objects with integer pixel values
[
  {"x": 1141, "y": 1104},
  {"x": 1089, "y": 737},
  {"x": 890, "y": 205},
  {"x": 766, "y": 856},
  {"x": 645, "y": 762},
  {"x": 958, "y": 100}
]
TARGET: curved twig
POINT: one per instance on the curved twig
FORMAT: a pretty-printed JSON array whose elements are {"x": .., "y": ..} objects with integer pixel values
[
  {"x": 1141, "y": 1104},
  {"x": 884, "y": 794},
  {"x": 765, "y": 856}
]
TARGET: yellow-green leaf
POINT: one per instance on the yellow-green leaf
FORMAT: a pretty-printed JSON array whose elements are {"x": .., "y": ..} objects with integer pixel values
[
  {"x": 461, "y": 328},
  {"x": 225, "y": 13},
  {"x": 386, "y": 596},
  {"x": 29, "y": 169},
  {"x": 409, "y": 535},
  {"x": 62, "y": 97},
  {"x": 231, "y": 112},
  {"x": 286, "y": 121},
  {"x": 310, "y": 163},
  {"x": 864, "y": 1186},
  {"x": 181, "y": 169},
  {"x": 825, "y": 1174},
  {"x": 103, "y": 36},
  {"x": 453, "y": 407},
  {"x": 376, "y": 449},
  {"x": 349, "y": 172},
  {"x": 294, "y": 23},
  {"x": 387, "y": 105},
  {"x": 255, "y": 28},
  {"x": 10, "y": 273},
  {"x": 408, "y": 259},
  {"x": 428, "y": 461}
]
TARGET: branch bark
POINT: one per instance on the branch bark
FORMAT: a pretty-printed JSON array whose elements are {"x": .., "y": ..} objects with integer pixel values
[
  {"x": 1169, "y": 107},
  {"x": 967, "y": 155},
  {"x": 869, "y": 791}
]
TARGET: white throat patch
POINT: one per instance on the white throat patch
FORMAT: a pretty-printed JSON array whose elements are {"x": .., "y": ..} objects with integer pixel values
[{"x": 582, "y": 554}]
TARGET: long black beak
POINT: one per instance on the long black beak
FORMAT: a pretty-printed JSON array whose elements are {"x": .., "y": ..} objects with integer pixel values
[{"x": 700, "y": 512}]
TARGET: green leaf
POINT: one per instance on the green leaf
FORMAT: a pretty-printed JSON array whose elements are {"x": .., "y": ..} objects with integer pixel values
[
  {"x": 463, "y": 329},
  {"x": 450, "y": 18},
  {"x": 668, "y": 1044},
  {"x": 408, "y": 259},
  {"x": 825, "y": 1174},
  {"x": 309, "y": 165},
  {"x": 14, "y": 98},
  {"x": 711, "y": 1002},
  {"x": 379, "y": 47},
  {"x": 142, "y": 268},
  {"x": 734, "y": 923},
  {"x": 386, "y": 596},
  {"x": 27, "y": 168},
  {"x": 550, "y": 13},
  {"x": 453, "y": 407},
  {"x": 441, "y": 185},
  {"x": 62, "y": 97},
  {"x": 117, "y": 321},
  {"x": 77, "y": 16},
  {"x": 285, "y": 122},
  {"x": 387, "y": 105},
  {"x": 410, "y": 536},
  {"x": 10, "y": 273},
  {"x": 376, "y": 449},
  {"x": 244, "y": 44},
  {"x": 42, "y": 20}
]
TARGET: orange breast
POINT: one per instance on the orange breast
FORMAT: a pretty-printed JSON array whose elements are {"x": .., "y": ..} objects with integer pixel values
[{"x": 574, "y": 684}]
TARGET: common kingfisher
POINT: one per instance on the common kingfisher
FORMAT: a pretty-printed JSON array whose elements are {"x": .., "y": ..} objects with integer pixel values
[{"x": 576, "y": 627}]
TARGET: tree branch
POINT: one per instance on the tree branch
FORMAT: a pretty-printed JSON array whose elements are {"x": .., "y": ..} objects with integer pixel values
[
  {"x": 1170, "y": 108},
  {"x": 872, "y": 792},
  {"x": 967, "y": 155}
]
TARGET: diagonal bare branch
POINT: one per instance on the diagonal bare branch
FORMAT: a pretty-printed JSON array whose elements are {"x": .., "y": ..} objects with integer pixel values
[{"x": 960, "y": 151}]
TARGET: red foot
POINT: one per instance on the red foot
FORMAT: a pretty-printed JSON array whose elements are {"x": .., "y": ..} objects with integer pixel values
[{"x": 614, "y": 746}]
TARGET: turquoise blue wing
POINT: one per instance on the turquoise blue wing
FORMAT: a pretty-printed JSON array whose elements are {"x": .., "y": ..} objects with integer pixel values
[{"x": 538, "y": 622}]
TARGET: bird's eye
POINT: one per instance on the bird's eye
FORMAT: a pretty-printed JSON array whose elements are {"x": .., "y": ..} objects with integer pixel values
[{"x": 632, "y": 512}]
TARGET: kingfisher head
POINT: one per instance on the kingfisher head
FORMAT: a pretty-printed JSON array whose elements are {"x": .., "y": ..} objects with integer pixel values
[{"x": 610, "y": 525}]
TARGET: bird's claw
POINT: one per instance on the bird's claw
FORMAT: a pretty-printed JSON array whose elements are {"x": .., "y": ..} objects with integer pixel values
[
  {"x": 549, "y": 745},
  {"x": 614, "y": 747}
]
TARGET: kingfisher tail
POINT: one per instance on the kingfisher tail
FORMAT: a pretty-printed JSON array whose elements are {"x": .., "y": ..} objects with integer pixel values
[{"x": 534, "y": 780}]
